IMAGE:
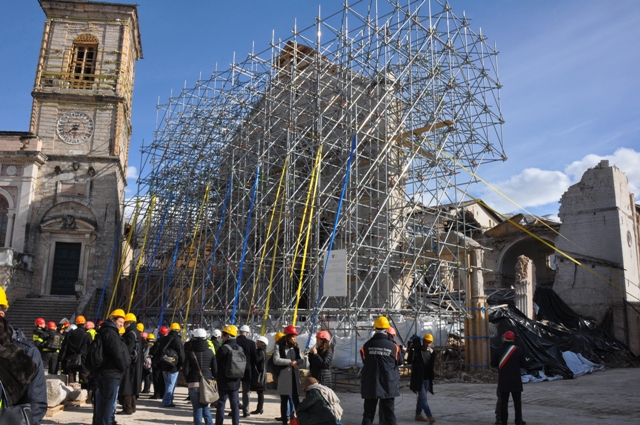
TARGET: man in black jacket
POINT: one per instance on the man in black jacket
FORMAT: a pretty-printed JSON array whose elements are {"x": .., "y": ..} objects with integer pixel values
[
  {"x": 73, "y": 353},
  {"x": 249, "y": 348},
  {"x": 171, "y": 344},
  {"x": 108, "y": 375},
  {"x": 509, "y": 359},
  {"x": 227, "y": 387},
  {"x": 132, "y": 378},
  {"x": 380, "y": 376}
]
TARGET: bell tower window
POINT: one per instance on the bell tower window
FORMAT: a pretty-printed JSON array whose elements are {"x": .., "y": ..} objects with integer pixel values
[{"x": 82, "y": 68}]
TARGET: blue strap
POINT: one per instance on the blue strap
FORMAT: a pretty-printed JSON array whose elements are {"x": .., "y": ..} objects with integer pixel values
[{"x": 244, "y": 246}]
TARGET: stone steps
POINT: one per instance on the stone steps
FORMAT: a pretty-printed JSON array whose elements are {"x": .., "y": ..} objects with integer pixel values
[{"x": 23, "y": 312}]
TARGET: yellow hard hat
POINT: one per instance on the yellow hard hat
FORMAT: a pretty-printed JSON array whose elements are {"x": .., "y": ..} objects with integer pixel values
[
  {"x": 174, "y": 327},
  {"x": 231, "y": 330},
  {"x": 130, "y": 317},
  {"x": 151, "y": 337},
  {"x": 121, "y": 330},
  {"x": 118, "y": 312},
  {"x": 381, "y": 323},
  {"x": 278, "y": 336},
  {"x": 428, "y": 337},
  {"x": 3, "y": 299},
  {"x": 140, "y": 327}
]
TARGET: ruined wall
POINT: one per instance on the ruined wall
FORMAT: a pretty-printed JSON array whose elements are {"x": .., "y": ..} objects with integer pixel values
[{"x": 598, "y": 221}]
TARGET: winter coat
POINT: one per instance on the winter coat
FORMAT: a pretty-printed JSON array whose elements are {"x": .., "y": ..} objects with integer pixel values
[
  {"x": 289, "y": 378},
  {"x": 115, "y": 353},
  {"x": 249, "y": 348},
  {"x": 419, "y": 369},
  {"x": 76, "y": 342},
  {"x": 132, "y": 379},
  {"x": 314, "y": 410},
  {"x": 320, "y": 366},
  {"x": 206, "y": 361},
  {"x": 40, "y": 335},
  {"x": 259, "y": 374},
  {"x": 36, "y": 394},
  {"x": 222, "y": 357},
  {"x": 509, "y": 379},
  {"x": 173, "y": 341},
  {"x": 380, "y": 376}
]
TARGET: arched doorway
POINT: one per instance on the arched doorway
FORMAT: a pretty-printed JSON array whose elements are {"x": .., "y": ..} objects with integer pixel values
[{"x": 535, "y": 250}]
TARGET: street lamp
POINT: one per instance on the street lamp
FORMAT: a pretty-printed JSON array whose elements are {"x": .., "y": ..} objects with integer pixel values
[{"x": 78, "y": 287}]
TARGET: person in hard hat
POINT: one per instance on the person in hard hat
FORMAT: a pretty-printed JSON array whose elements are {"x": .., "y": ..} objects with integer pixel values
[
  {"x": 422, "y": 359},
  {"x": 170, "y": 351},
  {"x": 147, "y": 366},
  {"x": 109, "y": 374},
  {"x": 40, "y": 333},
  {"x": 227, "y": 387},
  {"x": 509, "y": 359},
  {"x": 215, "y": 339},
  {"x": 51, "y": 348},
  {"x": 156, "y": 374},
  {"x": 286, "y": 355},
  {"x": 321, "y": 406},
  {"x": 90, "y": 328},
  {"x": 199, "y": 360},
  {"x": 259, "y": 374},
  {"x": 140, "y": 327},
  {"x": 74, "y": 351},
  {"x": 380, "y": 376},
  {"x": 249, "y": 348},
  {"x": 35, "y": 393},
  {"x": 321, "y": 358},
  {"x": 131, "y": 382}
]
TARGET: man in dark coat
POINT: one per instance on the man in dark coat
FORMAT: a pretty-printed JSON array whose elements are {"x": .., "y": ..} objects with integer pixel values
[
  {"x": 132, "y": 378},
  {"x": 380, "y": 376},
  {"x": 509, "y": 359},
  {"x": 422, "y": 359},
  {"x": 156, "y": 364},
  {"x": 109, "y": 374},
  {"x": 227, "y": 387},
  {"x": 76, "y": 344},
  {"x": 171, "y": 343},
  {"x": 249, "y": 348}
]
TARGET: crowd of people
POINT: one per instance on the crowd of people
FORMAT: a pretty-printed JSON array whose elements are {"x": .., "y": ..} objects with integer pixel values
[{"x": 116, "y": 361}]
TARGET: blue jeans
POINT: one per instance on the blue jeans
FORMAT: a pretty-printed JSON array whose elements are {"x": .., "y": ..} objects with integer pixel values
[
  {"x": 106, "y": 396},
  {"x": 233, "y": 401},
  {"x": 199, "y": 409},
  {"x": 170, "y": 380},
  {"x": 422, "y": 399}
]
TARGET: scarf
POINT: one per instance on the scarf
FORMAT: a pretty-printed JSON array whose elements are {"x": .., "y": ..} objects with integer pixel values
[{"x": 330, "y": 397}]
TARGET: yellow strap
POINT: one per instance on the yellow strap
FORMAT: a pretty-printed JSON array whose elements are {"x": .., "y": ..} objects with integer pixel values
[{"x": 144, "y": 244}]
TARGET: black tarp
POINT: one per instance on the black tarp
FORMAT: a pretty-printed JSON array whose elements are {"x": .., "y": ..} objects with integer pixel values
[{"x": 559, "y": 329}]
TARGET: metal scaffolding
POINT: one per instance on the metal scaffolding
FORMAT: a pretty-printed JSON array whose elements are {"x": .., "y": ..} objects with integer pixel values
[{"x": 247, "y": 176}]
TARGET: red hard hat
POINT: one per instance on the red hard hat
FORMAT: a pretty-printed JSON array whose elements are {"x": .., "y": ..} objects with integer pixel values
[
  {"x": 52, "y": 325},
  {"x": 290, "y": 330},
  {"x": 164, "y": 330},
  {"x": 40, "y": 321},
  {"x": 391, "y": 331},
  {"x": 100, "y": 322},
  {"x": 509, "y": 336},
  {"x": 324, "y": 335}
]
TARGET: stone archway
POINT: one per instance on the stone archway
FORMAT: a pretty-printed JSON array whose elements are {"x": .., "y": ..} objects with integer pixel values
[{"x": 533, "y": 249}]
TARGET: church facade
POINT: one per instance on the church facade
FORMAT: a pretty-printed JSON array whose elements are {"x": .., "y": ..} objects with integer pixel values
[{"x": 62, "y": 182}]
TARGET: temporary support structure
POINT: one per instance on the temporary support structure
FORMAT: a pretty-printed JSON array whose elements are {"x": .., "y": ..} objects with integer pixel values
[{"x": 403, "y": 98}]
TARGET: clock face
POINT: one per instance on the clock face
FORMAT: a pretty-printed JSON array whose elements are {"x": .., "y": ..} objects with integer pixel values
[{"x": 75, "y": 127}]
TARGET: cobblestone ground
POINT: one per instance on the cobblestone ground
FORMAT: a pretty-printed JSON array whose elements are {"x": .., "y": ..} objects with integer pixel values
[{"x": 608, "y": 397}]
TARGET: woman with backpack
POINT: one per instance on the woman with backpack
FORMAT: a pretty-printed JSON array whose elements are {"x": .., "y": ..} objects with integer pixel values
[
  {"x": 199, "y": 359},
  {"x": 321, "y": 357},
  {"x": 286, "y": 355},
  {"x": 259, "y": 375}
]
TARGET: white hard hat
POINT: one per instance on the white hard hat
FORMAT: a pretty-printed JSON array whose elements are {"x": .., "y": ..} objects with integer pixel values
[
  {"x": 263, "y": 339},
  {"x": 216, "y": 333},
  {"x": 245, "y": 328},
  {"x": 72, "y": 327},
  {"x": 199, "y": 333}
]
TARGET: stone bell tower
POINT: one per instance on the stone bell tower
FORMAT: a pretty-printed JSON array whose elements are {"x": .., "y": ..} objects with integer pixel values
[{"x": 81, "y": 113}]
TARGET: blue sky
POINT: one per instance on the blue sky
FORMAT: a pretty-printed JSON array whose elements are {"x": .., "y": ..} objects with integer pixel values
[{"x": 569, "y": 69}]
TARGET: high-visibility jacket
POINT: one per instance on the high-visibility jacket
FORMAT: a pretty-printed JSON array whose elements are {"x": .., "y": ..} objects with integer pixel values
[
  {"x": 211, "y": 347},
  {"x": 93, "y": 333}
]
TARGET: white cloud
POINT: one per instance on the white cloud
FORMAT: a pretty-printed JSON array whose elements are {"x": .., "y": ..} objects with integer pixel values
[
  {"x": 132, "y": 172},
  {"x": 627, "y": 160}
]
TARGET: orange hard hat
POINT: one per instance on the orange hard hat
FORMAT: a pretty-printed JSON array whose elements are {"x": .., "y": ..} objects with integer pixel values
[
  {"x": 80, "y": 320},
  {"x": 323, "y": 335}
]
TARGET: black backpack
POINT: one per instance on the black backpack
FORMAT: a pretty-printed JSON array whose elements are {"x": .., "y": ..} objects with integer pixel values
[
  {"x": 236, "y": 363},
  {"x": 95, "y": 356},
  {"x": 54, "y": 342}
]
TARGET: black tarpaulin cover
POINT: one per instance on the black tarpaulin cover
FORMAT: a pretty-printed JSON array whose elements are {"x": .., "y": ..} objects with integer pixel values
[{"x": 564, "y": 330}]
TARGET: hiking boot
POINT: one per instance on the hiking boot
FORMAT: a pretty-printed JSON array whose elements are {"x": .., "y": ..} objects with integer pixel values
[
  {"x": 420, "y": 418},
  {"x": 431, "y": 419}
]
